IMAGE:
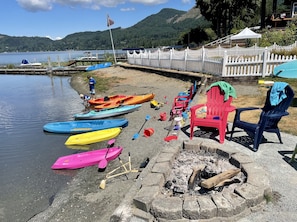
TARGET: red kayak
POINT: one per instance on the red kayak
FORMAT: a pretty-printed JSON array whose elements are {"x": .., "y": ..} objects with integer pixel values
[{"x": 85, "y": 159}]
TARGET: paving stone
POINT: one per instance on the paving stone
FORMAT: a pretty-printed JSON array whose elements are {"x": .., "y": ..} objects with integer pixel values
[
  {"x": 166, "y": 157},
  {"x": 191, "y": 208},
  {"x": 208, "y": 209},
  {"x": 178, "y": 220},
  {"x": 253, "y": 195},
  {"x": 254, "y": 172},
  {"x": 164, "y": 168},
  {"x": 145, "y": 196},
  {"x": 224, "y": 152},
  {"x": 153, "y": 179},
  {"x": 237, "y": 159},
  {"x": 167, "y": 208},
  {"x": 192, "y": 145},
  {"x": 238, "y": 203},
  {"x": 141, "y": 216},
  {"x": 209, "y": 147},
  {"x": 223, "y": 205}
]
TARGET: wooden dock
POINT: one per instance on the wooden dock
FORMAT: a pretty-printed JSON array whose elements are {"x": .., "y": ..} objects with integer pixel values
[
  {"x": 60, "y": 71},
  {"x": 72, "y": 67}
]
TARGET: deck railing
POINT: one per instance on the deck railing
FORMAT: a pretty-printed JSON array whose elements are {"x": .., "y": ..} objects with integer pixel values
[{"x": 226, "y": 62}]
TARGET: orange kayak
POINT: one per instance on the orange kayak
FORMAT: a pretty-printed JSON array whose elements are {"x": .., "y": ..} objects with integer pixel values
[
  {"x": 107, "y": 99},
  {"x": 129, "y": 100},
  {"x": 138, "y": 99}
]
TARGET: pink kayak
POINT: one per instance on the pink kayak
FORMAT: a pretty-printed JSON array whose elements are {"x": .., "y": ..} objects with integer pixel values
[{"x": 89, "y": 158}]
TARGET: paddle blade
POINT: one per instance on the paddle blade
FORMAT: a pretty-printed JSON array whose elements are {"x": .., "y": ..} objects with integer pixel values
[
  {"x": 102, "y": 165},
  {"x": 135, "y": 136}
]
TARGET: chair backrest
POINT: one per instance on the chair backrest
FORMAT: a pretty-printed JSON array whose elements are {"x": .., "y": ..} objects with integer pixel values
[
  {"x": 215, "y": 104},
  {"x": 280, "y": 108}
]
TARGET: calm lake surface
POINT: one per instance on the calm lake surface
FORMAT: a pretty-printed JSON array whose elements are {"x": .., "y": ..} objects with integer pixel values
[
  {"x": 27, "y": 102},
  {"x": 16, "y": 58}
]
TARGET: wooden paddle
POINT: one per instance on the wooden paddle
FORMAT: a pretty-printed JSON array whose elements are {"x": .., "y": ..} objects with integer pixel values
[
  {"x": 103, "y": 163},
  {"x": 136, "y": 135}
]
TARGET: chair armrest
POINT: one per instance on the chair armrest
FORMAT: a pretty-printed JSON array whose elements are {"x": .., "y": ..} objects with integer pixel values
[
  {"x": 277, "y": 115},
  {"x": 194, "y": 108},
  {"x": 240, "y": 110},
  {"x": 231, "y": 109}
]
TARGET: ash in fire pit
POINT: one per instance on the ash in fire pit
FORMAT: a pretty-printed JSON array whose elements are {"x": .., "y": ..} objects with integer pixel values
[{"x": 200, "y": 173}]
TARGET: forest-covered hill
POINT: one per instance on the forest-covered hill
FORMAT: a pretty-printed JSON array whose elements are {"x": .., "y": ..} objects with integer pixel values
[{"x": 166, "y": 28}]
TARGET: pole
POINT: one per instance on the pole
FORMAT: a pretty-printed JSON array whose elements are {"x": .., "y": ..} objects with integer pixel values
[{"x": 114, "y": 55}]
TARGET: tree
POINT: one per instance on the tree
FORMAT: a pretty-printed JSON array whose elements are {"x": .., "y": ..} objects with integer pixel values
[{"x": 230, "y": 14}]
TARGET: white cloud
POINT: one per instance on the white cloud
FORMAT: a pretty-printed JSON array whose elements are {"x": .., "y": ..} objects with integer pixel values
[
  {"x": 35, "y": 5},
  {"x": 47, "y": 5},
  {"x": 150, "y": 2},
  {"x": 127, "y": 9}
]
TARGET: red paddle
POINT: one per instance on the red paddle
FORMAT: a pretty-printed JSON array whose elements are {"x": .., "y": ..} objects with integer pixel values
[{"x": 103, "y": 163}]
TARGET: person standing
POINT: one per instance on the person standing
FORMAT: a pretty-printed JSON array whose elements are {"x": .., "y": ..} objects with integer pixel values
[{"x": 92, "y": 83}]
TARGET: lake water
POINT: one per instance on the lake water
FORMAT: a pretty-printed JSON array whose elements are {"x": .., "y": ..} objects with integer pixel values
[
  {"x": 15, "y": 58},
  {"x": 27, "y": 102}
]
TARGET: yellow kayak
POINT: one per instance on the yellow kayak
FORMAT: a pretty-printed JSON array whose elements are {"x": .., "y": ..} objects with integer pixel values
[{"x": 93, "y": 137}]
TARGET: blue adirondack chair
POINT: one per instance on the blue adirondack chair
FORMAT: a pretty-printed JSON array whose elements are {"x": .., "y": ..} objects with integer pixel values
[{"x": 278, "y": 100}]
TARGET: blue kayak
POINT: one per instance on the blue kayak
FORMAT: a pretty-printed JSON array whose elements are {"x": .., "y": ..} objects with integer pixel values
[
  {"x": 286, "y": 70},
  {"x": 107, "y": 112},
  {"x": 84, "y": 125},
  {"x": 99, "y": 66}
]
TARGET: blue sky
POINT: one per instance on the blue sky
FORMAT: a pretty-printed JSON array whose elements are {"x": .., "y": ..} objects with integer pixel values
[{"x": 57, "y": 18}]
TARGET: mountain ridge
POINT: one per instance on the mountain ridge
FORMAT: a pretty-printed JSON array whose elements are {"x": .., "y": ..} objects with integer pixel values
[{"x": 166, "y": 27}]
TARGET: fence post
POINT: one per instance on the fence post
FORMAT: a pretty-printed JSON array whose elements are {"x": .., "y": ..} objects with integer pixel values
[
  {"x": 159, "y": 52},
  {"x": 224, "y": 62},
  {"x": 171, "y": 53},
  {"x": 264, "y": 68},
  {"x": 149, "y": 58},
  {"x": 203, "y": 58},
  {"x": 186, "y": 57}
]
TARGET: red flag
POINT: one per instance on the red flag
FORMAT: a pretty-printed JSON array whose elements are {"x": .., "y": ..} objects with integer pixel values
[{"x": 109, "y": 21}]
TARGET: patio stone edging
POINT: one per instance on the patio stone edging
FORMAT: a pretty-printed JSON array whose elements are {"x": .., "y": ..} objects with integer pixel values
[{"x": 145, "y": 202}]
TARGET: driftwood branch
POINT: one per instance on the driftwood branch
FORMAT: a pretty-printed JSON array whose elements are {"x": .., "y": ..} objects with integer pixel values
[
  {"x": 196, "y": 173},
  {"x": 219, "y": 179}
]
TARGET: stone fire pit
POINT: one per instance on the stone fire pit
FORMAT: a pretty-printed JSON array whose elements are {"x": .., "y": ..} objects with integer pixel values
[{"x": 155, "y": 200}]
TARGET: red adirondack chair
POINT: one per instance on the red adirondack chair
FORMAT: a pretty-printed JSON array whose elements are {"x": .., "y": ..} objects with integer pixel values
[{"x": 214, "y": 113}]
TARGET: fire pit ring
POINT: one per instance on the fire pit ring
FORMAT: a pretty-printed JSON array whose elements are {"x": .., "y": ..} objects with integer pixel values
[{"x": 152, "y": 203}]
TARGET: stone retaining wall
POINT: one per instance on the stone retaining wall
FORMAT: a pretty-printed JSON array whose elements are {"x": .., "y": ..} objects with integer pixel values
[{"x": 150, "y": 205}]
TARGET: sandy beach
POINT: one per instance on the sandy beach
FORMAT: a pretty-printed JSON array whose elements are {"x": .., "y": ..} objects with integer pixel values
[{"x": 83, "y": 200}]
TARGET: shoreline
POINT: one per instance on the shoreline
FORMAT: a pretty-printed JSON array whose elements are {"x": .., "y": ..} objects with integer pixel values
[{"x": 82, "y": 199}]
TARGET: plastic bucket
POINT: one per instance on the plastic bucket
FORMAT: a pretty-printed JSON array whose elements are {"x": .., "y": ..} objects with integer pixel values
[
  {"x": 148, "y": 132},
  {"x": 163, "y": 117},
  {"x": 178, "y": 121}
]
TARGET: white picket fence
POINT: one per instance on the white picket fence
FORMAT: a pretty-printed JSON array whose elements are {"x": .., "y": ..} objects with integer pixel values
[{"x": 226, "y": 62}]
